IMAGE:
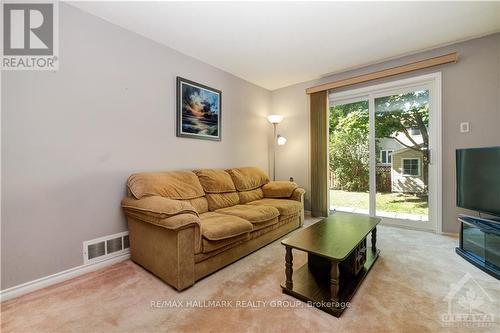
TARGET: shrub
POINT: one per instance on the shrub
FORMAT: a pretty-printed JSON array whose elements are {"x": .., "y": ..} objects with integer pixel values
[{"x": 349, "y": 153}]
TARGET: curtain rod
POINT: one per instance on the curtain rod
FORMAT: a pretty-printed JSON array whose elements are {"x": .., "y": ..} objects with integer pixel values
[{"x": 413, "y": 66}]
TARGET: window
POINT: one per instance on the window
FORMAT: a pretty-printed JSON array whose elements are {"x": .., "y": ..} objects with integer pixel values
[
  {"x": 386, "y": 156},
  {"x": 411, "y": 167}
]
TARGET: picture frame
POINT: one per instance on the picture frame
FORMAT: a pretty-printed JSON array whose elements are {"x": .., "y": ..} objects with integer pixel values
[{"x": 199, "y": 111}]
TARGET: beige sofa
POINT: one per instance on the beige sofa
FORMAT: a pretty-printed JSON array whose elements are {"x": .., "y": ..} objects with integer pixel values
[{"x": 184, "y": 225}]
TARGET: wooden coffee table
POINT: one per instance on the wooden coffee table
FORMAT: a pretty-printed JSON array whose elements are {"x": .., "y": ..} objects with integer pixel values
[{"x": 338, "y": 260}]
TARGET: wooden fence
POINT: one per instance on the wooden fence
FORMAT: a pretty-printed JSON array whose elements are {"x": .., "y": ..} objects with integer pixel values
[{"x": 383, "y": 179}]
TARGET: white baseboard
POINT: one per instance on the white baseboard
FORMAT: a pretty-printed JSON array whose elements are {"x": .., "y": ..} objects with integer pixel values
[
  {"x": 449, "y": 234},
  {"x": 46, "y": 281}
]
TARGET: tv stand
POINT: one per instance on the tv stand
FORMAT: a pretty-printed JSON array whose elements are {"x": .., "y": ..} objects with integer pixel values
[{"x": 480, "y": 243}]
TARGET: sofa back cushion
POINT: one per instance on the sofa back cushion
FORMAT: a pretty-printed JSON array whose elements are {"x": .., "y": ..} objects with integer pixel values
[
  {"x": 252, "y": 195},
  {"x": 215, "y": 181},
  {"x": 222, "y": 200},
  {"x": 200, "y": 204},
  {"x": 177, "y": 185},
  {"x": 219, "y": 188},
  {"x": 248, "y": 178}
]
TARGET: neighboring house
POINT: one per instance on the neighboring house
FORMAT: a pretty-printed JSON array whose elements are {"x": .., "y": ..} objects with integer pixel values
[
  {"x": 405, "y": 163},
  {"x": 387, "y": 147},
  {"x": 406, "y": 171}
]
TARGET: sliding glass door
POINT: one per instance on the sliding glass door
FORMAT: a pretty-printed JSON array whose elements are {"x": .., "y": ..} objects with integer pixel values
[
  {"x": 402, "y": 149},
  {"x": 380, "y": 144},
  {"x": 349, "y": 156}
]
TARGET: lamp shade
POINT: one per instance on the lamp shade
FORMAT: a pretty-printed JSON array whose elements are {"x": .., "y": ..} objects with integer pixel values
[
  {"x": 275, "y": 118},
  {"x": 281, "y": 140}
]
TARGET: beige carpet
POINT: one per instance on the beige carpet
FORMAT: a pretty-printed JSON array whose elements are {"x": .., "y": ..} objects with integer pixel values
[{"x": 404, "y": 292}]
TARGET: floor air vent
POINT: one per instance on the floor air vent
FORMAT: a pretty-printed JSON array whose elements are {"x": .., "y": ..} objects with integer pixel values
[
  {"x": 105, "y": 247},
  {"x": 96, "y": 250},
  {"x": 126, "y": 244}
]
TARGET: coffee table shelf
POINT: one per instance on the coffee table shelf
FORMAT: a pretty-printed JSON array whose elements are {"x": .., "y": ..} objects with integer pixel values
[
  {"x": 310, "y": 288},
  {"x": 338, "y": 260}
]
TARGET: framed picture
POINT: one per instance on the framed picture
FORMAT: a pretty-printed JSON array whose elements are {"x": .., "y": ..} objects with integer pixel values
[{"x": 198, "y": 110}]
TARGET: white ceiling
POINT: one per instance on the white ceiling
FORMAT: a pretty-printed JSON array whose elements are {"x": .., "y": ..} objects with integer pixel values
[{"x": 276, "y": 44}]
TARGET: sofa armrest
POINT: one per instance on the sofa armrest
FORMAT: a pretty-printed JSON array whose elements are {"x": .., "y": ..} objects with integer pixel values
[
  {"x": 159, "y": 210},
  {"x": 298, "y": 194},
  {"x": 170, "y": 214},
  {"x": 279, "y": 189}
]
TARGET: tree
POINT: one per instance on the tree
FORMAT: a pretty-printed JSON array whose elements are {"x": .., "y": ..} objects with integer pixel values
[
  {"x": 398, "y": 114},
  {"x": 349, "y": 153},
  {"x": 395, "y": 115},
  {"x": 340, "y": 111}
]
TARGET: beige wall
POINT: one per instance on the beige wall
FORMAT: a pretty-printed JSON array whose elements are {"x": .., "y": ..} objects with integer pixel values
[
  {"x": 70, "y": 139},
  {"x": 471, "y": 90}
]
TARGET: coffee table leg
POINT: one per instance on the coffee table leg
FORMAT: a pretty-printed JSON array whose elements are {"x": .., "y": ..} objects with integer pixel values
[
  {"x": 374, "y": 238},
  {"x": 288, "y": 267},
  {"x": 334, "y": 280}
]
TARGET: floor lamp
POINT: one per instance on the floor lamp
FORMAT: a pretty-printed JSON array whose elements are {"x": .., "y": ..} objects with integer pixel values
[{"x": 277, "y": 139}]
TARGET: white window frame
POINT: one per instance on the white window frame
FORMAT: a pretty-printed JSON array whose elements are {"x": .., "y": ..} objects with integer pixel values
[
  {"x": 433, "y": 83},
  {"x": 419, "y": 163},
  {"x": 387, "y": 151}
]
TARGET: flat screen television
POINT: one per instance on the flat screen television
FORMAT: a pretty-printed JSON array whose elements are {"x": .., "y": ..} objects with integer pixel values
[{"x": 478, "y": 179}]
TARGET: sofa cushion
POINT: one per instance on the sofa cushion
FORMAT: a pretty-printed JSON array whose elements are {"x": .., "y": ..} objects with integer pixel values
[
  {"x": 215, "y": 180},
  {"x": 172, "y": 185},
  {"x": 284, "y": 206},
  {"x": 222, "y": 200},
  {"x": 279, "y": 189},
  {"x": 253, "y": 214},
  {"x": 216, "y": 226},
  {"x": 248, "y": 178},
  {"x": 262, "y": 225},
  {"x": 265, "y": 228},
  {"x": 212, "y": 245},
  {"x": 252, "y": 195}
]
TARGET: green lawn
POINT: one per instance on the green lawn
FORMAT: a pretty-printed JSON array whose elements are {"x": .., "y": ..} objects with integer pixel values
[{"x": 387, "y": 202}]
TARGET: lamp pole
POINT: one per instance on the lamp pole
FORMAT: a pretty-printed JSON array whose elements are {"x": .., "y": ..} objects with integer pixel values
[
  {"x": 274, "y": 119},
  {"x": 274, "y": 150}
]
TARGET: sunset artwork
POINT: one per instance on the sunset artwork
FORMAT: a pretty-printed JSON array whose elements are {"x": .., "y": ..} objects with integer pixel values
[{"x": 198, "y": 110}]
